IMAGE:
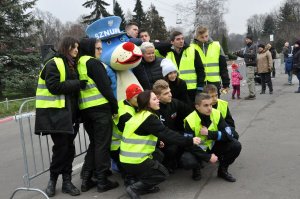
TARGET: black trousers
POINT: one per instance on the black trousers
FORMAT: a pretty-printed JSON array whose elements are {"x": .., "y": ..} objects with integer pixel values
[
  {"x": 226, "y": 152},
  {"x": 171, "y": 153},
  {"x": 150, "y": 172},
  {"x": 63, "y": 152},
  {"x": 98, "y": 125},
  {"x": 266, "y": 79}
]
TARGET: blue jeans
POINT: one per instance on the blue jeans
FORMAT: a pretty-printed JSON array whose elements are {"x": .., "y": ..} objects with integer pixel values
[{"x": 290, "y": 76}]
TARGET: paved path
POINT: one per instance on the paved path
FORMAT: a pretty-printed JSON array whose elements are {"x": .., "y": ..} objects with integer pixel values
[{"x": 268, "y": 166}]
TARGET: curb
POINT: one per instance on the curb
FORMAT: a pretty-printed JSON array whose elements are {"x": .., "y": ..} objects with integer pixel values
[{"x": 7, "y": 119}]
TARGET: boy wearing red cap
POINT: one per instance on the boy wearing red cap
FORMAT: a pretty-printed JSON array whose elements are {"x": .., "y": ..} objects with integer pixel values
[
  {"x": 236, "y": 78},
  {"x": 127, "y": 108}
]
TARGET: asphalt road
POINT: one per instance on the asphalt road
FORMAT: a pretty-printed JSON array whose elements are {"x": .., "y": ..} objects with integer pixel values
[{"x": 267, "y": 168}]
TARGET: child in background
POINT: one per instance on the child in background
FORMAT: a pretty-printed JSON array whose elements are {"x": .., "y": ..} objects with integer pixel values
[{"x": 236, "y": 78}]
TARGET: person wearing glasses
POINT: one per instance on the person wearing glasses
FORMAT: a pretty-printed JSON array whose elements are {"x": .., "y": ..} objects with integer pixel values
[
  {"x": 97, "y": 105},
  {"x": 213, "y": 60}
]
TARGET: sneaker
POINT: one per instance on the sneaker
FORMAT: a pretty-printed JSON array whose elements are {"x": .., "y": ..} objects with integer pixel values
[
  {"x": 239, "y": 97},
  {"x": 250, "y": 97}
]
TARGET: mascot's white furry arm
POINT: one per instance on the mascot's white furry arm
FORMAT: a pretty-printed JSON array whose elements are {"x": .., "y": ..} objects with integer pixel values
[{"x": 118, "y": 54}]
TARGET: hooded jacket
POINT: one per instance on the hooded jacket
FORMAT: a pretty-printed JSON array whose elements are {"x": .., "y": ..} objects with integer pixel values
[
  {"x": 96, "y": 71},
  {"x": 264, "y": 61}
]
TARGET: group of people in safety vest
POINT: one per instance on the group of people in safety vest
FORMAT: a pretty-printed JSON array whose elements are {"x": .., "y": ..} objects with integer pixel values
[{"x": 149, "y": 134}]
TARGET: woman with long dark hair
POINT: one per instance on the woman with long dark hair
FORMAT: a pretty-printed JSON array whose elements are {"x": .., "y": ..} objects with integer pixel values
[
  {"x": 56, "y": 112},
  {"x": 140, "y": 137}
]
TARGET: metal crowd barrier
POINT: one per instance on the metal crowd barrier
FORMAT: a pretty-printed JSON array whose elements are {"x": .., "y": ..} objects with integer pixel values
[{"x": 37, "y": 149}]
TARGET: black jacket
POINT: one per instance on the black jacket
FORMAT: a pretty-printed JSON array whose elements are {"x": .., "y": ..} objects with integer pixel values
[
  {"x": 58, "y": 120},
  {"x": 148, "y": 73},
  {"x": 152, "y": 125},
  {"x": 212, "y": 135},
  {"x": 296, "y": 59},
  {"x": 164, "y": 48},
  {"x": 179, "y": 90},
  {"x": 96, "y": 71},
  {"x": 172, "y": 114}
]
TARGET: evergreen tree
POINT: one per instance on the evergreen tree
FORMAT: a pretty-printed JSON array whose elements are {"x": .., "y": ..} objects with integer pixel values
[
  {"x": 139, "y": 16},
  {"x": 155, "y": 24},
  {"x": 119, "y": 12},
  {"x": 224, "y": 44},
  {"x": 98, "y": 12},
  {"x": 19, "y": 59},
  {"x": 269, "y": 26}
]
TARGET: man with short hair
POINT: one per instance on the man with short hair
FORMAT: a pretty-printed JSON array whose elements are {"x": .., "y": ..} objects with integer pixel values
[
  {"x": 171, "y": 112},
  {"x": 249, "y": 55},
  {"x": 187, "y": 61},
  {"x": 132, "y": 29},
  {"x": 213, "y": 60},
  {"x": 217, "y": 142},
  {"x": 144, "y": 35}
]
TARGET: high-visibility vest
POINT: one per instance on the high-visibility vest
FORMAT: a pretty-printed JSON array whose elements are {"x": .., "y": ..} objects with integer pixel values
[
  {"x": 222, "y": 107},
  {"x": 210, "y": 60},
  {"x": 90, "y": 96},
  {"x": 44, "y": 99},
  {"x": 194, "y": 121},
  {"x": 135, "y": 149},
  {"x": 117, "y": 134},
  {"x": 186, "y": 67}
]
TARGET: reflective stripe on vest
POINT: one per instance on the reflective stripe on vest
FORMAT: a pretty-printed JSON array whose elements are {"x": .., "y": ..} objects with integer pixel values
[
  {"x": 117, "y": 134},
  {"x": 222, "y": 107},
  {"x": 90, "y": 96},
  {"x": 136, "y": 148},
  {"x": 210, "y": 60},
  {"x": 44, "y": 99},
  {"x": 186, "y": 67},
  {"x": 194, "y": 121}
]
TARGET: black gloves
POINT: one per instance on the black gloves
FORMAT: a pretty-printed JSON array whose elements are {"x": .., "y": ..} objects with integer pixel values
[{"x": 83, "y": 84}]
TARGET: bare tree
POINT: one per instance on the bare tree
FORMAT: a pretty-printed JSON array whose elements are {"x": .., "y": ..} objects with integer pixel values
[{"x": 51, "y": 28}]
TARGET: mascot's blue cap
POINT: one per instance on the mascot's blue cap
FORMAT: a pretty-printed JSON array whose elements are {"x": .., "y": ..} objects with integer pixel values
[{"x": 105, "y": 28}]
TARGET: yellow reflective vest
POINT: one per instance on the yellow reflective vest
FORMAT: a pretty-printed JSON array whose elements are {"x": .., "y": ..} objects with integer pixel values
[
  {"x": 44, "y": 99},
  {"x": 135, "y": 149},
  {"x": 194, "y": 121},
  {"x": 210, "y": 60},
  {"x": 186, "y": 67},
  {"x": 90, "y": 96},
  {"x": 222, "y": 107},
  {"x": 117, "y": 134}
]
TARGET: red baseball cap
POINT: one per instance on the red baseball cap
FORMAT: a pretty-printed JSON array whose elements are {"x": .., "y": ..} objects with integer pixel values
[{"x": 133, "y": 90}]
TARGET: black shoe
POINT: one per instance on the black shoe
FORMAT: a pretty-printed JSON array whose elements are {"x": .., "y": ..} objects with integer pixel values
[
  {"x": 133, "y": 194},
  {"x": 102, "y": 187},
  {"x": 250, "y": 97},
  {"x": 87, "y": 185},
  {"x": 232, "y": 97},
  {"x": 87, "y": 182},
  {"x": 271, "y": 92},
  {"x": 196, "y": 174},
  {"x": 223, "y": 173},
  {"x": 69, "y": 188},
  {"x": 262, "y": 92},
  {"x": 298, "y": 91},
  {"x": 50, "y": 190}
]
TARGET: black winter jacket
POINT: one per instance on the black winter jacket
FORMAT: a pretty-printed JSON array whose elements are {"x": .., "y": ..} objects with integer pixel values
[
  {"x": 148, "y": 73},
  {"x": 172, "y": 114},
  {"x": 212, "y": 135},
  {"x": 58, "y": 120},
  {"x": 179, "y": 90}
]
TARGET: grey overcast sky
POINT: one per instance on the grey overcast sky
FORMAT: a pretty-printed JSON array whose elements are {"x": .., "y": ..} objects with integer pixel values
[{"x": 236, "y": 18}]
